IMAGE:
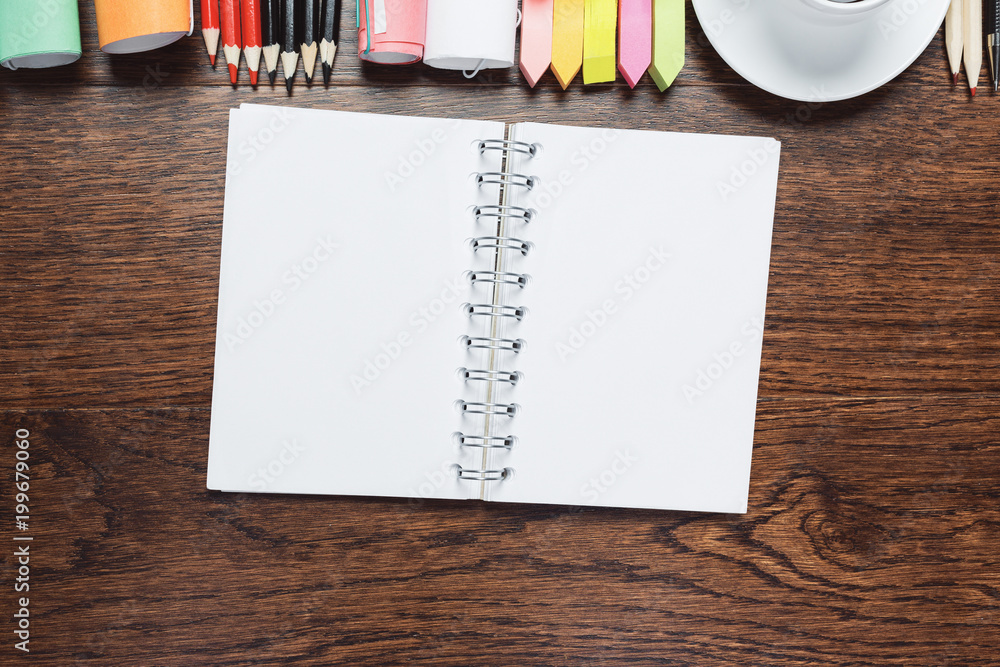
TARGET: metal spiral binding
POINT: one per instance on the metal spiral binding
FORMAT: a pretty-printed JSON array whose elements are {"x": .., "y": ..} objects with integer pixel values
[
  {"x": 507, "y": 146},
  {"x": 508, "y": 242},
  {"x": 503, "y": 277},
  {"x": 501, "y": 178},
  {"x": 491, "y": 310},
  {"x": 511, "y": 378},
  {"x": 497, "y": 211},
  {"x": 497, "y": 215}
]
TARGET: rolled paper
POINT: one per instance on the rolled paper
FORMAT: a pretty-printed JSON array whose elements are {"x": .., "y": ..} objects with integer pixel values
[
  {"x": 39, "y": 33},
  {"x": 567, "y": 40},
  {"x": 668, "y": 42},
  {"x": 536, "y": 39},
  {"x": 635, "y": 38},
  {"x": 469, "y": 35},
  {"x": 600, "y": 18},
  {"x": 391, "y": 33},
  {"x": 131, "y": 26}
]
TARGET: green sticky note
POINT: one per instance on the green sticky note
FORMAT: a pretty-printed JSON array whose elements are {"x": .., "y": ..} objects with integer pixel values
[
  {"x": 39, "y": 33},
  {"x": 668, "y": 42}
]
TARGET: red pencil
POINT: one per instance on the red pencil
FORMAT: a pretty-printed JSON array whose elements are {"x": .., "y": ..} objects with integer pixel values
[
  {"x": 232, "y": 39},
  {"x": 252, "y": 40},
  {"x": 210, "y": 27}
]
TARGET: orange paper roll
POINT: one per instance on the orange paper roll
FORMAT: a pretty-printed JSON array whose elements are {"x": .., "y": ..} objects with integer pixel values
[{"x": 130, "y": 26}]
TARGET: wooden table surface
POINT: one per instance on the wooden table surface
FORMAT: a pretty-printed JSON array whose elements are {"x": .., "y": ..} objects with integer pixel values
[{"x": 874, "y": 525}]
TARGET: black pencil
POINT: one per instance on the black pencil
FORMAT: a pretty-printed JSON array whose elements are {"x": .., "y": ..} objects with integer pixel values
[
  {"x": 270, "y": 25},
  {"x": 310, "y": 30},
  {"x": 290, "y": 47},
  {"x": 331, "y": 35}
]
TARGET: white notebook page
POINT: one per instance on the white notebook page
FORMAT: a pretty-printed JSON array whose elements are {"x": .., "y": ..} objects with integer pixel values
[
  {"x": 645, "y": 318},
  {"x": 343, "y": 250}
]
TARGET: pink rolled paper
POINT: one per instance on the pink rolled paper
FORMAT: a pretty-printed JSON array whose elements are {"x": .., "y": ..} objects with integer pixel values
[
  {"x": 391, "y": 32},
  {"x": 635, "y": 38}
]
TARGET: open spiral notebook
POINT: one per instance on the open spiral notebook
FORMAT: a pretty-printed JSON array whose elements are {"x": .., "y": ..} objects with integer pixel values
[{"x": 434, "y": 308}]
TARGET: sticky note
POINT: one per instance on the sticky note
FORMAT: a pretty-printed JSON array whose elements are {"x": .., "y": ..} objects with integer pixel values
[
  {"x": 668, "y": 41},
  {"x": 635, "y": 38},
  {"x": 536, "y": 39},
  {"x": 599, "y": 22},
  {"x": 567, "y": 40}
]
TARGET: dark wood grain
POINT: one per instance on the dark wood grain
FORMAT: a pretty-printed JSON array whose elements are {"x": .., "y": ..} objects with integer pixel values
[{"x": 874, "y": 516}]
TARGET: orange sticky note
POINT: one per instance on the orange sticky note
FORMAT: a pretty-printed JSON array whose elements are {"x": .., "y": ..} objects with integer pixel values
[
  {"x": 600, "y": 19},
  {"x": 130, "y": 26},
  {"x": 567, "y": 39}
]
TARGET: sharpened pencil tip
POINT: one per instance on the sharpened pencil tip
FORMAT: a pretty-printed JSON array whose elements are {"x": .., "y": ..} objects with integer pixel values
[
  {"x": 326, "y": 74},
  {"x": 272, "y": 75},
  {"x": 973, "y": 91},
  {"x": 309, "y": 80},
  {"x": 211, "y": 57},
  {"x": 288, "y": 84},
  {"x": 233, "y": 73},
  {"x": 253, "y": 78},
  {"x": 954, "y": 78}
]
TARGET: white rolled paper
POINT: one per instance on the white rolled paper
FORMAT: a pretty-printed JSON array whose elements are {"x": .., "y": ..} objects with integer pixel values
[{"x": 470, "y": 34}]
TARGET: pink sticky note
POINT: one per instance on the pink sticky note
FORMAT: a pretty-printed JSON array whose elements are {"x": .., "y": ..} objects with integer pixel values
[
  {"x": 536, "y": 39},
  {"x": 401, "y": 40},
  {"x": 635, "y": 38}
]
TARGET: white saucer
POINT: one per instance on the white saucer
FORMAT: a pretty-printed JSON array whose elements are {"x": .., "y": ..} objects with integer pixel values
[{"x": 778, "y": 46}]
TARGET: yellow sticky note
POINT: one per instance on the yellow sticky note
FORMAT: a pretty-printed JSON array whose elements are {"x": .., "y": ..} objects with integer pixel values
[
  {"x": 668, "y": 42},
  {"x": 567, "y": 39},
  {"x": 600, "y": 24}
]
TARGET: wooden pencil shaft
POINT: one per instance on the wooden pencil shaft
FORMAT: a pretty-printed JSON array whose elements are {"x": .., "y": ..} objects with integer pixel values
[
  {"x": 310, "y": 21},
  {"x": 331, "y": 20},
  {"x": 289, "y": 43}
]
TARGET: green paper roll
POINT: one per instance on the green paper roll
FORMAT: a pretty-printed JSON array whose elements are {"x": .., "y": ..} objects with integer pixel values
[{"x": 39, "y": 33}]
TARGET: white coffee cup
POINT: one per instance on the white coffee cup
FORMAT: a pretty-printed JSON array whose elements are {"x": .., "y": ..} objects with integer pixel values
[
  {"x": 839, "y": 11},
  {"x": 845, "y": 7}
]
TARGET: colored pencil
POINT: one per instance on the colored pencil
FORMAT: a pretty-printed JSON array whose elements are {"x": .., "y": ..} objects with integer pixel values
[
  {"x": 232, "y": 37},
  {"x": 210, "y": 27},
  {"x": 252, "y": 36},
  {"x": 953, "y": 30},
  {"x": 972, "y": 38}
]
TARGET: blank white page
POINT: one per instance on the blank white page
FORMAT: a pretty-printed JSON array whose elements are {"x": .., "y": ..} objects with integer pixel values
[
  {"x": 645, "y": 318},
  {"x": 343, "y": 249}
]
